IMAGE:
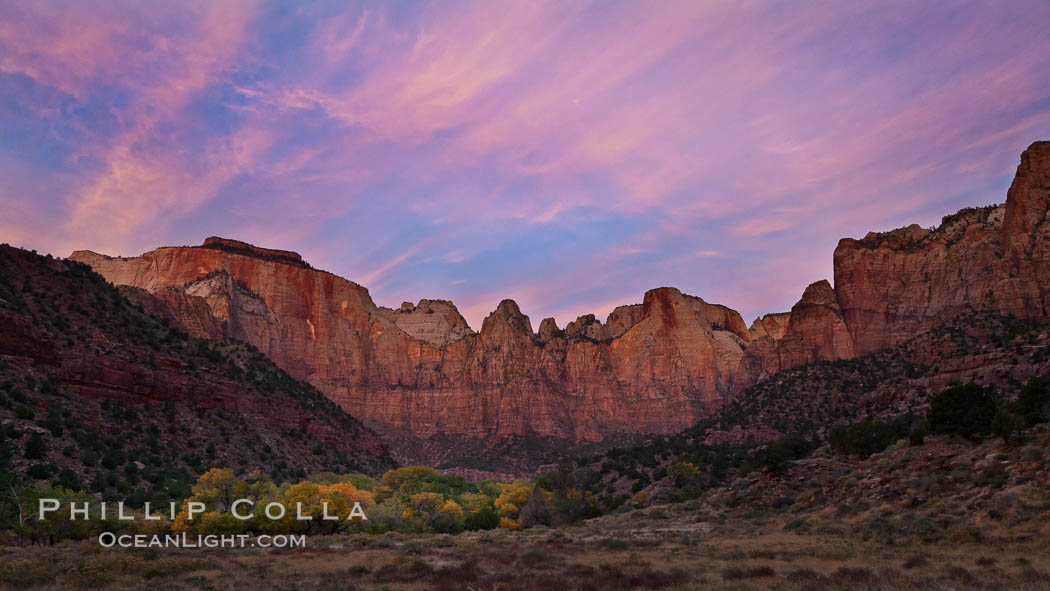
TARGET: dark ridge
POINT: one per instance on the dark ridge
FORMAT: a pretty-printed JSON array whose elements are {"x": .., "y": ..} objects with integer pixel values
[{"x": 267, "y": 254}]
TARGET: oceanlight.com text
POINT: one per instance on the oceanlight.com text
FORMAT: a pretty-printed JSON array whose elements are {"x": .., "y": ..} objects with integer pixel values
[{"x": 110, "y": 540}]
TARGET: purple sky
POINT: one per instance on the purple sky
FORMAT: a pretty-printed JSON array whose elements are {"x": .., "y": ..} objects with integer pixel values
[{"x": 568, "y": 155}]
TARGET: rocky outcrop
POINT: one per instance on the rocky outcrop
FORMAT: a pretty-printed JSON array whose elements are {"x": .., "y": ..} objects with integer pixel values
[
  {"x": 773, "y": 326},
  {"x": 190, "y": 313},
  {"x": 437, "y": 322},
  {"x": 892, "y": 285},
  {"x": 421, "y": 370},
  {"x": 587, "y": 327},
  {"x": 95, "y": 344},
  {"x": 655, "y": 367},
  {"x": 622, "y": 318},
  {"x": 816, "y": 330},
  {"x": 548, "y": 330},
  {"x": 270, "y": 254}
]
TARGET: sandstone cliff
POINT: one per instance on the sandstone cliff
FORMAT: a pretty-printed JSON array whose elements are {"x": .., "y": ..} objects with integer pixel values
[
  {"x": 61, "y": 323},
  {"x": 655, "y": 367},
  {"x": 895, "y": 284},
  {"x": 421, "y": 370}
]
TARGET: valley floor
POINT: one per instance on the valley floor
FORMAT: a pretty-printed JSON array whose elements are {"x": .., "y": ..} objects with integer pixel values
[{"x": 683, "y": 546}]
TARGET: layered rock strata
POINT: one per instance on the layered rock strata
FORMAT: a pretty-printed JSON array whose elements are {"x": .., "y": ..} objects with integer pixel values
[{"x": 656, "y": 367}]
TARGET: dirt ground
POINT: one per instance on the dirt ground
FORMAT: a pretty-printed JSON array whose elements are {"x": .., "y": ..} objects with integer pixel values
[{"x": 685, "y": 546}]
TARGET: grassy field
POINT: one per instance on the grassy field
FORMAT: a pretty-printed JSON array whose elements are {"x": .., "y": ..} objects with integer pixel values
[{"x": 684, "y": 546}]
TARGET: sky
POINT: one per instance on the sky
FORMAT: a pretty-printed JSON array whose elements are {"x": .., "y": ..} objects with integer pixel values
[{"x": 567, "y": 155}]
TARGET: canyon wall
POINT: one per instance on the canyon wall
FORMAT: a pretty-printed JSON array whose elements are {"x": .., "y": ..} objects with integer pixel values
[
  {"x": 57, "y": 319},
  {"x": 657, "y": 367},
  {"x": 892, "y": 285}
]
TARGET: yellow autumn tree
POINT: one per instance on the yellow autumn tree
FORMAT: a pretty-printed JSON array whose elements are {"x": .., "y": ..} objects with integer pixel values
[
  {"x": 218, "y": 488},
  {"x": 214, "y": 522},
  {"x": 513, "y": 496},
  {"x": 341, "y": 498},
  {"x": 303, "y": 498},
  {"x": 448, "y": 519}
]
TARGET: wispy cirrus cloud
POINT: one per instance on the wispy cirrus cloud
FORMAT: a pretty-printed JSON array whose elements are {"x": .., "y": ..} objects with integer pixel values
[{"x": 571, "y": 155}]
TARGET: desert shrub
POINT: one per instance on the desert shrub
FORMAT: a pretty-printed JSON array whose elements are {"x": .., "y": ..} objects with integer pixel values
[
  {"x": 920, "y": 526},
  {"x": 689, "y": 481},
  {"x": 1006, "y": 424},
  {"x": 866, "y": 437},
  {"x": 854, "y": 575},
  {"x": 69, "y": 479},
  {"x": 1032, "y": 453},
  {"x": 53, "y": 424},
  {"x": 804, "y": 574},
  {"x": 20, "y": 573},
  {"x": 114, "y": 458},
  {"x": 88, "y": 457},
  {"x": 538, "y": 560},
  {"x": 915, "y": 562},
  {"x": 40, "y": 471},
  {"x": 993, "y": 475},
  {"x": 1033, "y": 400},
  {"x": 777, "y": 455},
  {"x": 962, "y": 575},
  {"x": 879, "y": 528},
  {"x": 404, "y": 571},
  {"x": 484, "y": 518},
  {"x": 735, "y": 572},
  {"x": 382, "y": 543},
  {"x": 966, "y": 410},
  {"x": 35, "y": 448},
  {"x": 613, "y": 544},
  {"x": 917, "y": 432}
]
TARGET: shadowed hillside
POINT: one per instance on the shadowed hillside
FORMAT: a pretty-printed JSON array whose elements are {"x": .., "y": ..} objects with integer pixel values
[{"x": 96, "y": 393}]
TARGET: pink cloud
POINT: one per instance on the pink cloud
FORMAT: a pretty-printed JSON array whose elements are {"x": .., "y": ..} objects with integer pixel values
[{"x": 714, "y": 136}]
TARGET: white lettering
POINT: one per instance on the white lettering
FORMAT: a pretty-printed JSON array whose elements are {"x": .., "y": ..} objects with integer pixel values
[
  {"x": 194, "y": 507},
  {"x": 238, "y": 502},
  {"x": 274, "y": 517},
  {"x": 73, "y": 511},
  {"x": 48, "y": 506},
  {"x": 324, "y": 513},
  {"x": 357, "y": 511}
]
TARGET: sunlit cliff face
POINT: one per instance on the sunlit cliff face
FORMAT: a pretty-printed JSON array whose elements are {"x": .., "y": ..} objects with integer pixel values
[{"x": 569, "y": 156}]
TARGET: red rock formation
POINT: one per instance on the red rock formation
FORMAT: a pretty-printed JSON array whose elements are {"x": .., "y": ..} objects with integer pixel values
[
  {"x": 772, "y": 325},
  {"x": 656, "y": 366},
  {"x": 190, "y": 312},
  {"x": 68, "y": 324},
  {"x": 548, "y": 330},
  {"x": 894, "y": 284},
  {"x": 622, "y": 318},
  {"x": 437, "y": 322},
  {"x": 816, "y": 330},
  {"x": 420, "y": 370}
]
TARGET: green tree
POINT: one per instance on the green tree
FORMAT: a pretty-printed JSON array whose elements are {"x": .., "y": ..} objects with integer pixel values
[
  {"x": 863, "y": 438},
  {"x": 966, "y": 410},
  {"x": 1034, "y": 400},
  {"x": 485, "y": 517},
  {"x": 36, "y": 448},
  {"x": 1006, "y": 425}
]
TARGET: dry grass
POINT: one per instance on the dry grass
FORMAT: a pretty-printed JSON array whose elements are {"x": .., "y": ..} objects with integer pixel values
[{"x": 614, "y": 552}]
